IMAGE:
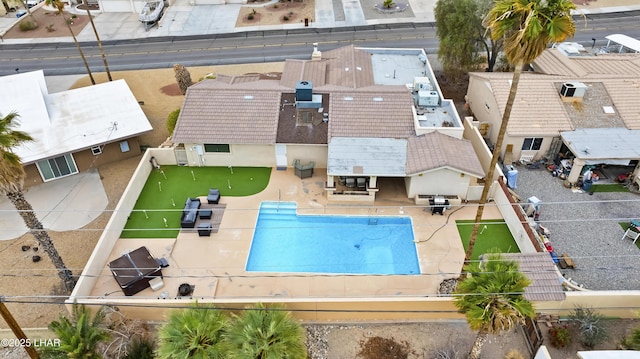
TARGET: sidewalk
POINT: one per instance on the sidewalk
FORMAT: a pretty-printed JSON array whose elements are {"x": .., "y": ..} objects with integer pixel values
[{"x": 183, "y": 19}]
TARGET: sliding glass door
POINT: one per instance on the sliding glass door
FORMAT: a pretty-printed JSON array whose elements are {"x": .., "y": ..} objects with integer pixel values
[{"x": 57, "y": 167}]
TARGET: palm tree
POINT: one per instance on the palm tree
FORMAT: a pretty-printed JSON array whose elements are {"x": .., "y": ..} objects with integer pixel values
[
  {"x": 193, "y": 333},
  {"x": 59, "y": 5},
  {"x": 80, "y": 336},
  {"x": 95, "y": 31},
  {"x": 11, "y": 184},
  {"x": 527, "y": 27},
  {"x": 262, "y": 332},
  {"x": 492, "y": 299}
]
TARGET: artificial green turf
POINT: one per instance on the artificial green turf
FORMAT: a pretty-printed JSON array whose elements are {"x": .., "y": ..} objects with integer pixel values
[
  {"x": 613, "y": 187},
  {"x": 495, "y": 236},
  {"x": 166, "y": 191}
]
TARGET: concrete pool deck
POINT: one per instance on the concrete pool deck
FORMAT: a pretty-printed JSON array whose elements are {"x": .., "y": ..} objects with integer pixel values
[{"x": 215, "y": 265}]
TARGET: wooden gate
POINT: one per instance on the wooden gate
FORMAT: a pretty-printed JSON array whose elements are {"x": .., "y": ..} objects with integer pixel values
[{"x": 532, "y": 335}]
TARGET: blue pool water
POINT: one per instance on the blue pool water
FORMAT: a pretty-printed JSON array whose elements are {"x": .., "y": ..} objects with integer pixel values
[{"x": 286, "y": 242}]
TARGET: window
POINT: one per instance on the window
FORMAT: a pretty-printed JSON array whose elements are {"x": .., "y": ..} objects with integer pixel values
[
  {"x": 96, "y": 150},
  {"x": 124, "y": 146},
  {"x": 57, "y": 167},
  {"x": 531, "y": 144},
  {"x": 208, "y": 147}
]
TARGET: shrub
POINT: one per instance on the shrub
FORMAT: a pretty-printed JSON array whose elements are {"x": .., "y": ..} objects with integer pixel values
[
  {"x": 590, "y": 325},
  {"x": 172, "y": 119},
  {"x": 140, "y": 349},
  {"x": 632, "y": 342},
  {"x": 28, "y": 25},
  {"x": 275, "y": 6},
  {"x": 50, "y": 28},
  {"x": 514, "y": 354},
  {"x": 250, "y": 16},
  {"x": 285, "y": 18},
  {"x": 560, "y": 336},
  {"x": 74, "y": 16}
]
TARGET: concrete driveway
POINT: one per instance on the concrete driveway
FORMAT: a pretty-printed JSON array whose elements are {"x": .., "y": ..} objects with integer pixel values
[{"x": 66, "y": 204}]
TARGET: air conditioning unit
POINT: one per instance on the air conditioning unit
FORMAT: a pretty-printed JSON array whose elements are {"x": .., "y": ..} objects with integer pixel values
[
  {"x": 422, "y": 84},
  {"x": 428, "y": 98},
  {"x": 573, "y": 89},
  {"x": 567, "y": 89}
]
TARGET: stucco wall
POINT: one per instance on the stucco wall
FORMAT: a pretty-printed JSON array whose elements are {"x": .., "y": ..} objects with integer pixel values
[
  {"x": 623, "y": 303},
  {"x": 517, "y": 224},
  {"x": 240, "y": 155},
  {"x": 306, "y": 153},
  {"x": 164, "y": 156},
  {"x": 110, "y": 153},
  {"x": 443, "y": 181},
  {"x": 620, "y": 304},
  {"x": 111, "y": 234}
]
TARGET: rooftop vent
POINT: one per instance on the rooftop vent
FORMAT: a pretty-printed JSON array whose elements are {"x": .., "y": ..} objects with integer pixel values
[{"x": 304, "y": 91}]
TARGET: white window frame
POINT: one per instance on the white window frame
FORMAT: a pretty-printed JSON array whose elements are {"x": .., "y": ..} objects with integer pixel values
[
  {"x": 45, "y": 164},
  {"x": 96, "y": 150},
  {"x": 532, "y": 145}
]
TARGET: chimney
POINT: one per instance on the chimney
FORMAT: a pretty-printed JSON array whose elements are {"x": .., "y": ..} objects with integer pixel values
[{"x": 316, "y": 55}]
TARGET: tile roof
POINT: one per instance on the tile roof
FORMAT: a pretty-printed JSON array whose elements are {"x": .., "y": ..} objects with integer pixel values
[
  {"x": 538, "y": 109},
  {"x": 303, "y": 70},
  {"x": 241, "y": 115},
  {"x": 349, "y": 67},
  {"x": 436, "y": 150},
  {"x": 625, "y": 94},
  {"x": 554, "y": 62},
  {"x": 543, "y": 274},
  {"x": 379, "y": 111}
]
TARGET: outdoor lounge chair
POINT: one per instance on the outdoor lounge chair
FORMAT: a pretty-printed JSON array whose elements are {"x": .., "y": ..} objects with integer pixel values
[
  {"x": 214, "y": 196},
  {"x": 350, "y": 182},
  {"x": 630, "y": 233},
  {"x": 361, "y": 182}
]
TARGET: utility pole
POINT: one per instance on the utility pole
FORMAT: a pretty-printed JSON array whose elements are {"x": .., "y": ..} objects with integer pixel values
[{"x": 17, "y": 331}]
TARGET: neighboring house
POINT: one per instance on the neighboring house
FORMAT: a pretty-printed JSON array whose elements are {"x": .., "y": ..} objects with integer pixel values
[
  {"x": 574, "y": 104},
  {"x": 73, "y": 130},
  {"x": 369, "y": 116}
]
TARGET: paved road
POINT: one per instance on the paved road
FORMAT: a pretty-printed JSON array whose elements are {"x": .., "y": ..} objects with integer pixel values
[{"x": 258, "y": 46}]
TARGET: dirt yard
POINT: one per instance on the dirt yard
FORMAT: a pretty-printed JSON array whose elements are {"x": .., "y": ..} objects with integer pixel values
[
  {"x": 282, "y": 12},
  {"x": 50, "y": 24}
]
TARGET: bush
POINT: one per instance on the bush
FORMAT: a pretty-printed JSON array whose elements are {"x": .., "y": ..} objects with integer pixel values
[
  {"x": 560, "y": 336},
  {"x": 50, "y": 28},
  {"x": 285, "y": 18},
  {"x": 172, "y": 119},
  {"x": 514, "y": 354},
  {"x": 275, "y": 6},
  {"x": 250, "y": 16},
  {"x": 28, "y": 25},
  {"x": 590, "y": 325},
  {"x": 140, "y": 349},
  {"x": 632, "y": 342}
]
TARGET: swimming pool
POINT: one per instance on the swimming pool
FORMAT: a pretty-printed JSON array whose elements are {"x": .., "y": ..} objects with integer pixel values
[{"x": 286, "y": 242}]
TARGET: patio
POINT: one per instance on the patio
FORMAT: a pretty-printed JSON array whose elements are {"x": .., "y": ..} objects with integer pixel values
[{"x": 215, "y": 265}]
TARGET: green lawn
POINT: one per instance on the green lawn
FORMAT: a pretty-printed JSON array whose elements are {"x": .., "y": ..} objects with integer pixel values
[
  {"x": 614, "y": 187},
  {"x": 167, "y": 189},
  {"x": 495, "y": 235}
]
